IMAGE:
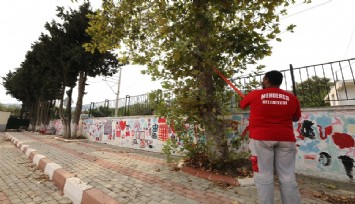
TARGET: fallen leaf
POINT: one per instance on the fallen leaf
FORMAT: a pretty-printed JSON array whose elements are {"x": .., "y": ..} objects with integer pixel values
[{"x": 331, "y": 186}]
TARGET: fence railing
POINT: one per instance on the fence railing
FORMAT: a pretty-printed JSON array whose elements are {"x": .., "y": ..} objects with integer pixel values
[
  {"x": 130, "y": 105},
  {"x": 327, "y": 84}
]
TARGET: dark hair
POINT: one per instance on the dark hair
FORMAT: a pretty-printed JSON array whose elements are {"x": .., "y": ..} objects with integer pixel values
[{"x": 274, "y": 77}]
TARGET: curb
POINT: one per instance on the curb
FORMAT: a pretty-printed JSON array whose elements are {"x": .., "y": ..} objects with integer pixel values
[
  {"x": 76, "y": 190},
  {"x": 210, "y": 176},
  {"x": 66, "y": 140},
  {"x": 218, "y": 178}
]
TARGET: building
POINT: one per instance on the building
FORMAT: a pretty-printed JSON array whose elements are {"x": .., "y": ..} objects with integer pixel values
[
  {"x": 4, "y": 117},
  {"x": 342, "y": 93}
]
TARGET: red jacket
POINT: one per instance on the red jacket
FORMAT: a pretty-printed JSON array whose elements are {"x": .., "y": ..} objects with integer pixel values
[{"x": 272, "y": 111}]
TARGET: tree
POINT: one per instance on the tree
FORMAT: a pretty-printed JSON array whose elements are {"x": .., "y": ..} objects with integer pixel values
[
  {"x": 311, "y": 92},
  {"x": 75, "y": 61},
  {"x": 52, "y": 68},
  {"x": 179, "y": 41},
  {"x": 102, "y": 112},
  {"x": 34, "y": 84},
  {"x": 46, "y": 80},
  {"x": 11, "y": 83},
  {"x": 86, "y": 63}
]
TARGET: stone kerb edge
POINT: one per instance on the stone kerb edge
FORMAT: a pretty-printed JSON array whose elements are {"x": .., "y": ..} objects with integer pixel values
[
  {"x": 49, "y": 169},
  {"x": 15, "y": 142},
  {"x": 43, "y": 162},
  {"x": 95, "y": 196},
  {"x": 8, "y": 136},
  {"x": 19, "y": 144},
  {"x": 36, "y": 159},
  {"x": 29, "y": 151},
  {"x": 24, "y": 148},
  {"x": 210, "y": 176},
  {"x": 60, "y": 177},
  {"x": 74, "y": 189},
  {"x": 32, "y": 155},
  {"x": 71, "y": 186}
]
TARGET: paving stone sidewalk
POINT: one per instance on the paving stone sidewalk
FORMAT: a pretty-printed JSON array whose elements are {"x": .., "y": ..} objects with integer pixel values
[
  {"x": 21, "y": 182},
  {"x": 126, "y": 175}
]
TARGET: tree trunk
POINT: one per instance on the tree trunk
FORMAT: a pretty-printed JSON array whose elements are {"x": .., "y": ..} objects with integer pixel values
[
  {"x": 79, "y": 102},
  {"x": 48, "y": 111},
  {"x": 38, "y": 115},
  {"x": 64, "y": 114},
  {"x": 214, "y": 127},
  {"x": 43, "y": 107},
  {"x": 68, "y": 114},
  {"x": 32, "y": 115},
  {"x": 210, "y": 109},
  {"x": 46, "y": 107}
]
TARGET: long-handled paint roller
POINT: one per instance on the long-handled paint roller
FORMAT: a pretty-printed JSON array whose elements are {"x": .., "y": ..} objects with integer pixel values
[{"x": 228, "y": 82}]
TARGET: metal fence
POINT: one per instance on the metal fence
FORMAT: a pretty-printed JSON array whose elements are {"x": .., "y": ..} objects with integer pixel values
[
  {"x": 327, "y": 84},
  {"x": 130, "y": 105}
]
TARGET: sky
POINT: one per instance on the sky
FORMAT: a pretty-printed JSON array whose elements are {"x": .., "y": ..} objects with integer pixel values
[{"x": 325, "y": 32}]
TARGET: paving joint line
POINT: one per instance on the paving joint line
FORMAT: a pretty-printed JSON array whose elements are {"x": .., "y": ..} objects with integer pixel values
[
  {"x": 76, "y": 190},
  {"x": 177, "y": 188},
  {"x": 191, "y": 171}
]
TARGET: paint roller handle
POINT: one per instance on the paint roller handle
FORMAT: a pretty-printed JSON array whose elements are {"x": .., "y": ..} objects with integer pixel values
[{"x": 228, "y": 82}]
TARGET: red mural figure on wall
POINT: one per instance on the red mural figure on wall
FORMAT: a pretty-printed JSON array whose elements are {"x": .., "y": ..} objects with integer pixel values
[
  {"x": 343, "y": 140},
  {"x": 118, "y": 130},
  {"x": 328, "y": 131},
  {"x": 299, "y": 126},
  {"x": 163, "y": 130}
]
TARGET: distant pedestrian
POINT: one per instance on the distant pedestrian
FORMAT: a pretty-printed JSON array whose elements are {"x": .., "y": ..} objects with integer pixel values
[{"x": 272, "y": 141}]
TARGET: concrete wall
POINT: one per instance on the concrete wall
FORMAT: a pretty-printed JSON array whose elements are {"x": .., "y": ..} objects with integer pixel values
[
  {"x": 325, "y": 141},
  {"x": 138, "y": 132},
  {"x": 325, "y": 137},
  {"x": 4, "y": 116}
]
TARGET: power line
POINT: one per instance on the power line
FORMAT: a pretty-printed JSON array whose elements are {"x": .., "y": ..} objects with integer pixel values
[
  {"x": 94, "y": 82},
  {"x": 111, "y": 87},
  {"x": 311, "y": 8},
  {"x": 294, "y": 6},
  {"x": 308, "y": 9},
  {"x": 351, "y": 37}
]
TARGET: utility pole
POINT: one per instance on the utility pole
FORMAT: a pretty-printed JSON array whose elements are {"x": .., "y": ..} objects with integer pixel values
[{"x": 118, "y": 91}]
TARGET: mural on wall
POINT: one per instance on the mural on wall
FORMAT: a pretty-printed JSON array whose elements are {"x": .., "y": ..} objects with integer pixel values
[
  {"x": 58, "y": 125},
  {"x": 325, "y": 159},
  {"x": 139, "y": 133},
  {"x": 94, "y": 129},
  {"x": 306, "y": 130},
  {"x": 325, "y": 139},
  {"x": 326, "y": 142}
]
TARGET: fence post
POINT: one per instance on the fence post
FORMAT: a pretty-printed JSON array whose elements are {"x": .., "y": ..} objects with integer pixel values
[
  {"x": 92, "y": 104},
  {"x": 126, "y": 108},
  {"x": 293, "y": 80},
  {"x": 107, "y": 107}
]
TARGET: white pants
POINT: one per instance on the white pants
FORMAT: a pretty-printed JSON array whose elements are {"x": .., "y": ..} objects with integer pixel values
[{"x": 268, "y": 155}]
